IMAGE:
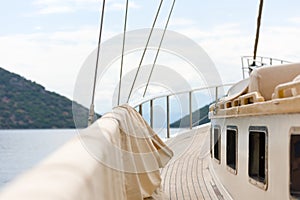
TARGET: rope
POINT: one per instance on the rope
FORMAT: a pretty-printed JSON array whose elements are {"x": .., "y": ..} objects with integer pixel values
[
  {"x": 123, "y": 49},
  {"x": 257, "y": 30},
  {"x": 143, "y": 55},
  {"x": 92, "y": 112},
  {"x": 158, "y": 50}
]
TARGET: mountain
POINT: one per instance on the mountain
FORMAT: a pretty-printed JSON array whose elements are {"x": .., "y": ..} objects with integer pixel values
[
  {"x": 200, "y": 116},
  {"x": 27, "y": 105}
]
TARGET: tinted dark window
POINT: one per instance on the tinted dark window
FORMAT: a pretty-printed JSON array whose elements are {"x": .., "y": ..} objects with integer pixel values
[
  {"x": 211, "y": 141},
  {"x": 231, "y": 147},
  {"x": 257, "y": 155},
  {"x": 217, "y": 144},
  {"x": 295, "y": 166}
]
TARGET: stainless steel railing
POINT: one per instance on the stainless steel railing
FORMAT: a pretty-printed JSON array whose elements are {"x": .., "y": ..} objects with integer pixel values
[
  {"x": 218, "y": 92},
  {"x": 249, "y": 62}
]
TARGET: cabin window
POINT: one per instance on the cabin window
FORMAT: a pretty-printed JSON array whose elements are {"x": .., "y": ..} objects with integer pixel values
[
  {"x": 257, "y": 165},
  {"x": 210, "y": 143},
  {"x": 231, "y": 148},
  {"x": 217, "y": 144},
  {"x": 295, "y": 166}
]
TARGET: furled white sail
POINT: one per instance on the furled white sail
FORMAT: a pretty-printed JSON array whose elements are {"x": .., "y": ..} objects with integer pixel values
[{"x": 118, "y": 157}]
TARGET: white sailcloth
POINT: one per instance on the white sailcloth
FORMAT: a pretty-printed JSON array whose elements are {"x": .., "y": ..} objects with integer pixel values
[{"x": 118, "y": 157}]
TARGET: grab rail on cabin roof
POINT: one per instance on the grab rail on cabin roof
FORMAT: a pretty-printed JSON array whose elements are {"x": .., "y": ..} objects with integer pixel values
[
  {"x": 217, "y": 95},
  {"x": 260, "y": 61}
]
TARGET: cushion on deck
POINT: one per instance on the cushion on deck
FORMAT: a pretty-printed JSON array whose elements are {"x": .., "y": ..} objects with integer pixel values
[{"x": 265, "y": 79}]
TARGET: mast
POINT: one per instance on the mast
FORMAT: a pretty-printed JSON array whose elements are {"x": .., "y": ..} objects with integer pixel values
[{"x": 257, "y": 33}]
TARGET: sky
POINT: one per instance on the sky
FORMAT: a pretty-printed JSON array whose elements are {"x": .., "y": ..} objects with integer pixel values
[{"x": 47, "y": 41}]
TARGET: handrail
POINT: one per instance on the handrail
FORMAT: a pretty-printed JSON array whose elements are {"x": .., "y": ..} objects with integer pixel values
[
  {"x": 167, "y": 96},
  {"x": 247, "y": 62},
  {"x": 181, "y": 92}
]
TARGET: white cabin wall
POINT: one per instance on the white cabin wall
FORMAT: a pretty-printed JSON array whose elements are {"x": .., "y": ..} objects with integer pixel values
[{"x": 238, "y": 186}]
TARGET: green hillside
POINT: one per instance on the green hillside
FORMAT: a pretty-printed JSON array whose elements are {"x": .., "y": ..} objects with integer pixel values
[
  {"x": 27, "y": 105},
  {"x": 200, "y": 116}
]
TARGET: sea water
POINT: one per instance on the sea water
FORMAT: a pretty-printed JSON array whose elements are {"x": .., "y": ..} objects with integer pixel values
[{"x": 20, "y": 150}]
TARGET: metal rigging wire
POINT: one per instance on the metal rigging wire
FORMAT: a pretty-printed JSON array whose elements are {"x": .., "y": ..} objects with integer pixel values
[
  {"x": 158, "y": 50},
  {"x": 92, "y": 112},
  {"x": 123, "y": 48},
  {"x": 257, "y": 31},
  {"x": 143, "y": 55}
]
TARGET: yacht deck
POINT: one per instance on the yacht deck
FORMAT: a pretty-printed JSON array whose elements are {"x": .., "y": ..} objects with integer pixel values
[{"x": 187, "y": 175}]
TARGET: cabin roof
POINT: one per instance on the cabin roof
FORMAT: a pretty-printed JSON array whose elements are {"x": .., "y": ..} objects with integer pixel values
[{"x": 269, "y": 90}]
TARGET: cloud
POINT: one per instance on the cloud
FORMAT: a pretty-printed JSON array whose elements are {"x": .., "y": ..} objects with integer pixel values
[
  {"x": 51, "y": 59},
  {"x": 181, "y": 22},
  {"x": 64, "y": 6},
  {"x": 56, "y": 9},
  {"x": 67, "y": 6},
  {"x": 295, "y": 20},
  {"x": 226, "y": 43},
  {"x": 54, "y": 59},
  {"x": 282, "y": 42},
  {"x": 117, "y": 6}
]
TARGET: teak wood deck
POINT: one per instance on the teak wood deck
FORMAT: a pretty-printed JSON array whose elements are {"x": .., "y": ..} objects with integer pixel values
[{"x": 187, "y": 175}]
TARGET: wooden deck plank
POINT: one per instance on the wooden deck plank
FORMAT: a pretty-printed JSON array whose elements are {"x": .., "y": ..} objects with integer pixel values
[{"x": 187, "y": 175}]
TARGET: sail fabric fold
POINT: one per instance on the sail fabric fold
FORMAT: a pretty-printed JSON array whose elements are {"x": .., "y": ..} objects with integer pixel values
[{"x": 117, "y": 157}]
